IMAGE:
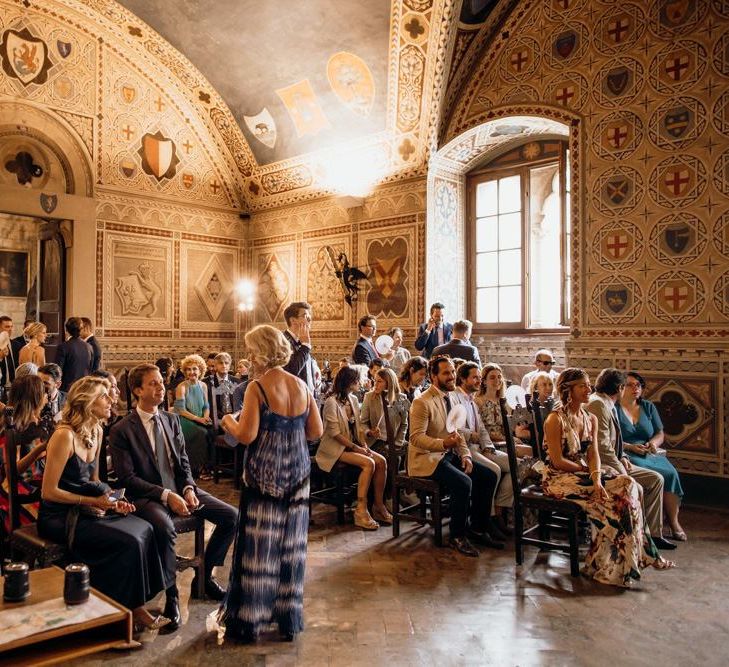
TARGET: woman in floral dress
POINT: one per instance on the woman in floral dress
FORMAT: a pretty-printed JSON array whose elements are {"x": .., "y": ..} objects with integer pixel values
[{"x": 621, "y": 543}]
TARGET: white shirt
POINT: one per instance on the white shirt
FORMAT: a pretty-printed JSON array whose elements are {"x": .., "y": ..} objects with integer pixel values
[{"x": 148, "y": 423}]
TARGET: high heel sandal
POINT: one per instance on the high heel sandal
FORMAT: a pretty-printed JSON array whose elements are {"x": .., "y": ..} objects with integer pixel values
[
  {"x": 364, "y": 520},
  {"x": 383, "y": 517},
  {"x": 663, "y": 564},
  {"x": 158, "y": 623}
]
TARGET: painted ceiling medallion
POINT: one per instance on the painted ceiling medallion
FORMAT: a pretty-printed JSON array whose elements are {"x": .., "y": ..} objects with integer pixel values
[
  {"x": 159, "y": 156},
  {"x": 352, "y": 82},
  {"x": 214, "y": 286},
  {"x": 24, "y": 57},
  {"x": 263, "y": 127}
]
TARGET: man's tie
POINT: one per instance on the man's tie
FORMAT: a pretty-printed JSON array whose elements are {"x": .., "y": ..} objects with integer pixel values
[
  {"x": 163, "y": 461},
  {"x": 618, "y": 434},
  {"x": 447, "y": 400}
]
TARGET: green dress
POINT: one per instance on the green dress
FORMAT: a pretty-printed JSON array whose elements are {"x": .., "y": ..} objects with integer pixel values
[{"x": 197, "y": 436}]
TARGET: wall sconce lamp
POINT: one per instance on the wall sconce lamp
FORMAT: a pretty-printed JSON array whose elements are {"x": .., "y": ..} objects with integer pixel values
[{"x": 246, "y": 292}]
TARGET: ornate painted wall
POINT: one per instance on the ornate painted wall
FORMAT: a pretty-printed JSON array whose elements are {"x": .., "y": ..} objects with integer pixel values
[
  {"x": 647, "y": 84},
  {"x": 167, "y": 235}
]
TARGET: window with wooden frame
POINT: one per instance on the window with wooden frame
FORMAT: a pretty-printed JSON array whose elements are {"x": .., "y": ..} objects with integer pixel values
[{"x": 519, "y": 239}]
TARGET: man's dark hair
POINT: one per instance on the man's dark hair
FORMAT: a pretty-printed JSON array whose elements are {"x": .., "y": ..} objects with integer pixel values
[
  {"x": 212, "y": 355},
  {"x": 363, "y": 321},
  {"x": 437, "y": 304},
  {"x": 434, "y": 364},
  {"x": 345, "y": 378},
  {"x": 135, "y": 379},
  {"x": 609, "y": 381},
  {"x": 5, "y": 318},
  {"x": 54, "y": 370},
  {"x": 464, "y": 370},
  {"x": 73, "y": 327},
  {"x": 27, "y": 322},
  {"x": 377, "y": 362},
  {"x": 292, "y": 310},
  {"x": 101, "y": 373}
]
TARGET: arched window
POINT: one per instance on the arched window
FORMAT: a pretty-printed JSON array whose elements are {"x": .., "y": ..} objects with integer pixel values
[{"x": 519, "y": 238}]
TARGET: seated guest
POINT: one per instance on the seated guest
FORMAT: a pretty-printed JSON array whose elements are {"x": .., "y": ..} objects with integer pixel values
[
  {"x": 166, "y": 367},
  {"x": 541, "y": 386},
  {"x": 150, "y": 461},
  {"x": 436, "y": 331},
  {"x": 608, "y": 389},
  {"x": 210, "y": 364},
  {"x": 621, "y": 544},
  {"x": 364, "y": 350},
  {"x": 468, "y": 382},
  {"x": 87, "y": 334},
  {"x": 343, "y": 440},
  {"x": 373, "y": 418},
  {"x": 35, "y": 333},
  {"x": 225, "y": 383},
  {"x": 400, "y": 354},
  {"x": 50, "y": 374},
  {"x": 365, "y": 381},
  {"x": 372, "y": 368},
  {"x": 27, "y": 400},
  {"x": 243, "y": 369},
  {"x": 106, "y": 470},
  {"x": 344, "y": 361},
  {"x": 412, "y": 376},
  {"x": 543, "y": 362},
  {"x": 28, "y": 368},
  {"x": 492, "y": 389},
  {"x": 191, "y": 404},
  {"x": 436, "y": 453},
  {"x": 74, "y": 355},
  {"x": 120, "y": 550},
  {"x": 459, "y": 346},
  {"x": 642, "y": 431}
]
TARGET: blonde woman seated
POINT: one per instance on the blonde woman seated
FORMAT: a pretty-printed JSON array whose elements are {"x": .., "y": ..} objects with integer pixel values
[
  {"x": 33, "y": 352},
  {"x": 621, "y": 542},
  {"x": 492, "y": 389},
  {"x": 191, "y": 403},
  {"x": 373, "y": 417},
  {"x": 343, "y": 440},
  {"x": 542, "y": 386},
  {"x": 120, "y": 549}
]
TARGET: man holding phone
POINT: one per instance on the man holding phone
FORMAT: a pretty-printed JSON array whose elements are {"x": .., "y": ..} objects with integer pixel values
[
  {"x": 148, "y": 451},
  {"x": 436, "y": 331}
]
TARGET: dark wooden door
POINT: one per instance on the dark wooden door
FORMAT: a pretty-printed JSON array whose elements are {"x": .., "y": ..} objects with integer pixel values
[{"x": 51, "y": 285}]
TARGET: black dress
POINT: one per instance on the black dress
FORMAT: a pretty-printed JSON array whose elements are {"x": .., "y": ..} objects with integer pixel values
[{"x": 121, "y": 551}]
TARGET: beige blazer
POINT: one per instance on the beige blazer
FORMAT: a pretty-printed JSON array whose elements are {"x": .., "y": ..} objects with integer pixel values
[
  {"x": 335, "y": 423},
  {"x": 607, "y": 434},
  {"x": 427, "y": 432},
  {"x": 372, "y": 417}
]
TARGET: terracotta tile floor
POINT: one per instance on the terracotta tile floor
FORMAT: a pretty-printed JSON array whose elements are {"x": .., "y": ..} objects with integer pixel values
[{"x": 371, "y": 600}]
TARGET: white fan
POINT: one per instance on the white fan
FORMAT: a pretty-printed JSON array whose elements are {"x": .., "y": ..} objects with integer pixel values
[
  {"x": 515, "y": 395},
  {"x": 383, "y": 344},
  {"x": 456, "y": 419}
]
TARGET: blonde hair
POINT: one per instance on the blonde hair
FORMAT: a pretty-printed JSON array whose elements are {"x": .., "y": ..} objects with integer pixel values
[
  {"x": 33, "y": 329},
  {"x": 268, "y": 347},
  {"x": 194, "y": 360},
  {"x": 540, "y": 376},
  {"x": 77, "y": 413}
]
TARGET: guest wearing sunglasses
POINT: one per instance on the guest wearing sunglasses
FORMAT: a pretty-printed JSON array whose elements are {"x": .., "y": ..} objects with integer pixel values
[{"x": 543, "y": 363}]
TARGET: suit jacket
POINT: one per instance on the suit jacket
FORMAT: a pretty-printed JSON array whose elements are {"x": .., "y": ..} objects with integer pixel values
[
  {"x": 8, "y": 365},
  {"x": 335, "y": 423},
  {"x": 427, "y": 432},
  {"x": 372, "y": 417},
  {"x": 363, "y": 352},
  {"x": 300, "y": 361},
  {"x": 213, "y": 381},
  {"x": 474, "y": 424},
  {"x": 75, "y": 357},
  {"x": 96, "y": 349},
  {"x": 458, "y": 349},
  {"x": 135, "y": 463},
  {"x": 17, "y": 344},
  {"x": 609, "y": 446},
  {"x": 427, "y": 342}
]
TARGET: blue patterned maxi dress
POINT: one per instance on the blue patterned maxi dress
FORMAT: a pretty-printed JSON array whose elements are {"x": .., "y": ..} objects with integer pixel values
[{"x": 269, "y": 557}]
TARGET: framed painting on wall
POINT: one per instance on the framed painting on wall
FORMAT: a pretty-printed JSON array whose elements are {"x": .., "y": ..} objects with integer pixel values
[{"x": 13, "y": 273}]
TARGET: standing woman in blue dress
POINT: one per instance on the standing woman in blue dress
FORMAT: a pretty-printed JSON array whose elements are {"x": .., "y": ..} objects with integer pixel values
[
  {"x": 191, "y": 404},
  {"x": 269, "y": 558},
  {"x": 642, "y": 431}
]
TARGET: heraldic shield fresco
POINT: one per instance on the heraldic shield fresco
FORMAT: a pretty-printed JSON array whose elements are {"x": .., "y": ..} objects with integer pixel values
[{"x": 139, "y": 282}]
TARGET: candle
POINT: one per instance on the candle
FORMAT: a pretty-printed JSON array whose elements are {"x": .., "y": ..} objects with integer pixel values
[
  {"x": 76, "y": 584},
  {"x": 17, "y": 586}
]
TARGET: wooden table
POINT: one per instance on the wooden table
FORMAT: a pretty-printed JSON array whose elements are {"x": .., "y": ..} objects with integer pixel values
[{"x": 69, "y": 641}]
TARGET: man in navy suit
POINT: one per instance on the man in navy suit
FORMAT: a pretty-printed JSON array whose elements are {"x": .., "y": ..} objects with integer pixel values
[
  {"x": 436, "y": 331},
  {"x": 459, "y": 347},
  {"x": 87, "y": 334},
  {"x": 150, "y": 461},
  {"x": 298, "y": 333},
  {"x": 75, "y": 356},
  {"x": 364, "y": 349}
]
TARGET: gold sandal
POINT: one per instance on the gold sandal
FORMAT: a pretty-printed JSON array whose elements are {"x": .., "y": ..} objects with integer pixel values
[
  {"x": 663, "y": 564},
  {"x": 383, "y": 517},
  {"x": 364, "y": 520}
]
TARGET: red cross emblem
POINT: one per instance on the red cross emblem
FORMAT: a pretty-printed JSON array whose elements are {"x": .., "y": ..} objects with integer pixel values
[
  {"x": 677, "y": 180},
  {"x": 676, "y": 296},
  {"x": 617, "y": 28},
  {"x": 617, "y": 245},
  {"x": 519, "y": 59},
  {"x": 617, "y": 136},
  {"x": 565, "y": 94},
  {"x": 676, "y": 65}
]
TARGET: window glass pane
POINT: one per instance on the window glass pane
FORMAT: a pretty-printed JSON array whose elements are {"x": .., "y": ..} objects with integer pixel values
[
  {"x": 509, "y": 304},
  {"x": 510, "y": 231},
  {"x": 486, "y": 234},
  {"x": 487, "y": 305},
  {"x": 510, "y": 271},
  {"x": 486, "y": 199},
  {"x": 487, "y": 269},
  {"x": 510, "y": 194}
]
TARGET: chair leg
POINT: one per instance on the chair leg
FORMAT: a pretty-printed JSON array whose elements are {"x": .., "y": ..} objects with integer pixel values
[
  {"x": 396, "y": 511},
  {"x": 574, "y": 547},
  {"x": 200, "y": 554},
  {"x": 543, "y": 528},
  {"x": 435, "y": 513},
  {"x": 216, "y": 462},
  {"x": 340, "y": 497},
  {"x": 518, "y": 535}
]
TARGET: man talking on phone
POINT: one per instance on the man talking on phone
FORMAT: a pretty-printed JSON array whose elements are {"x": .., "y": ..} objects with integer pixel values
[
  {"x": 436, "y": 331},
  {"x": 298, "y": 333},
  {"x": 148, "y": 451}
]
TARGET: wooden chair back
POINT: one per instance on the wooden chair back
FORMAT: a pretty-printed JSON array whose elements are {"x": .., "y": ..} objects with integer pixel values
[
  {"x": 15, "y": 499},
  {"x": 540, "y": 411}
]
